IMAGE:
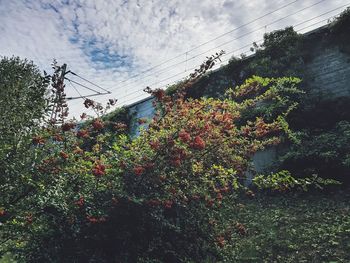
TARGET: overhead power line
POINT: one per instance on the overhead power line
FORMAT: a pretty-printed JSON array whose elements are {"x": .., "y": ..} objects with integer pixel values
[
  {"x": 223, "y": 44},
  {"x": 209, "y": 41},
  {"x": 75, "y": 74},
  {"x": 82, "y": 85},
  {"x": 180, "y": 73},
  {"x": 81, "y": 96},
  {"x": 305, "y": 21},
  {"x": 223, "y": 61}
]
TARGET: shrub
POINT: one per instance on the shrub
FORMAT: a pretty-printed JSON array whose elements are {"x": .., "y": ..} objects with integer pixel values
[{"x": 153, "y": 199}]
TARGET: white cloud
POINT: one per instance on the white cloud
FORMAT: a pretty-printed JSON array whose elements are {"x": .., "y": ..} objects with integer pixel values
[{"x": 108, "y": 41}]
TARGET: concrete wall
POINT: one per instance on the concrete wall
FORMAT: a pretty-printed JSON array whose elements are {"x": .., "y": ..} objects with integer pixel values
[
  {"x": 327, "y": 73},
  {"x": 140, "y": 110}
]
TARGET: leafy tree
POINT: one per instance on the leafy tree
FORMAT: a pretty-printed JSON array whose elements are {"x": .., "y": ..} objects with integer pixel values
[
  {"x": 22, "y": 109},
  {"x": 147, "y": 199},
  {"x": 22, "y": 99},
  {"x": 153, "y": 199}
]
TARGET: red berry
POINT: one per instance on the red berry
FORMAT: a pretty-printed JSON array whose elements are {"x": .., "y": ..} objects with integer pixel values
[
  {"x": 168, "y": 204},
  {"x": 184, "y": 136},
  {"x": 82, "y": 134},
  {"x": 80, "y": 201},
  {"x": 2, "y": 212},
  {"x": 67, "y": 126},
  {"x": 198, "y": 143},
  {"x": 99, "y": 170},
  {"x": 38, "y": 140},
  {"x": 97, "y": 124},
  {"x": 64, "y": 155},
  {"x": 138, "y": 170}
]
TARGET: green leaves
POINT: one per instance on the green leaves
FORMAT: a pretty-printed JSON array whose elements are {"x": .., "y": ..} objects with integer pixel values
[{"x": 283, "y": 180}]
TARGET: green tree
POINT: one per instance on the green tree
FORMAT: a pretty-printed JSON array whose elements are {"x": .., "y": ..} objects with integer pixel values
[
  {"x": 22, "y": 108},
  {"x": 22, "y": 99}
]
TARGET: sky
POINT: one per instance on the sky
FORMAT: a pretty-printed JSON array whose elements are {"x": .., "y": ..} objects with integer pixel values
[{"x": 125, "y": 45}]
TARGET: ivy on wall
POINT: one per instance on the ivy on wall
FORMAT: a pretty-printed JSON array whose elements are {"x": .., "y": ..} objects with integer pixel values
[
  {"x": 282, "y": 53},
  {"x": 318, "y": 118}
]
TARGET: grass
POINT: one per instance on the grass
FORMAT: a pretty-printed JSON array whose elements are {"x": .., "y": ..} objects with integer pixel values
[{"x": 311, "y": 227}]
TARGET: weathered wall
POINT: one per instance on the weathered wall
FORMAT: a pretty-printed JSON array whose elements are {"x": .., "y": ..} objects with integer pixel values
[
  {"x": 140, "y": 110},
  {"x": 326, "y": 73}
]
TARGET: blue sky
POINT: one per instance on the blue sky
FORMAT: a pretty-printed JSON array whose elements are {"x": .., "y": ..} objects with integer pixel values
[{"x": 109, "y": 41}]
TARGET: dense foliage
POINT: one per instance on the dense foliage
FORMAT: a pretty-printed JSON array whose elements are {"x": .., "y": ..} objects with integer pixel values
[
  {"x": 90, "y": 194},
  {"x": 311, "y": 227},
  {"x": 319, "y": 117},
  {"x": 22, "y": 98},
  {"x": 325, "y": 153},
  {"x": 23, "y": 104}
]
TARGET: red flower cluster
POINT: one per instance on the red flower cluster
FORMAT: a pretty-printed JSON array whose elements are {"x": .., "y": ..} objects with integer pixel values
[
  {"x": 38, "y": 140},
  {"x": 2, "y": 212},
  {"x": 246, "y": 131},
  {"x": 220, "y": 240},
  {"x": 82, "y": 134},
  {"x": 225, "y": 189},
  {"x": 240, "y": 228},
  {"x": 162, "y": 178},
  {"x": 64, "y": 155},
  {"x": 219, "y": 196},
  {"x": 168, "y": 204},
  {"x": 184, "y": 136},
  {"x": 261, "y": 128},
  {"x": 89, "y": 103},
  {"x": 170, "y": 142},
  {"x": 97, "y": 124},
  {"x": 58, "y": 138},
  {"x": 67, "y": 126},
  {"x": 210, "y": 203},
  {"x": 148, "y": 165},
  {"x": 29, "y": 218},
  {"x": 138, "y": 170},
  {"x": 50, "y": 160},
  {"x": 159, "y": 94},
  {"x": 173, "y": 191},
  {"x": 198, "y": 143},
  {"x": 99, "y": 170},
  {"x": 80, "y": 201},
  {"x": 195, "y": 197},
  {"x": 94, "y": 219}
]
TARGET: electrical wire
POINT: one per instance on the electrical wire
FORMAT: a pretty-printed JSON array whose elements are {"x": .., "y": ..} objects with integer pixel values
[
  {"x": 223, "y": 61},
  {"x": 209, "y": 41},
  {"x": 86, "y": 87},
  {"x": 180, "y": 73},
  {"x": 75, "y": 74},
  {"x": 228, "y": 42},
  {"x": 225, "y": 54},
  {"x": 81, "y": 96}
]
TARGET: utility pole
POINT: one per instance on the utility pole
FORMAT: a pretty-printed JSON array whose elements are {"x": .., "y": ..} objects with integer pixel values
[{"x": 60, "y": 106}]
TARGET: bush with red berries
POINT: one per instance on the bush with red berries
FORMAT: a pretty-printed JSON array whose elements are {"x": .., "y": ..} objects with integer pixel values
[{"x": 94, "y": 196}]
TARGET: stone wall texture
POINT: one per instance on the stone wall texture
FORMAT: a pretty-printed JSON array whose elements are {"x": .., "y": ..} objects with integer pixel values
[{"x": 327, "y": 72}]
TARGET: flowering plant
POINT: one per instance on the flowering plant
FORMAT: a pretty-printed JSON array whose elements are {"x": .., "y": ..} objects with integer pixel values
[{"x": 95, "y": 196}]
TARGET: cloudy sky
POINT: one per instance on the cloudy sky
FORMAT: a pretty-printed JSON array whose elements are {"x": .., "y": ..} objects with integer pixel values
[{"x": 126, "y": 45}]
